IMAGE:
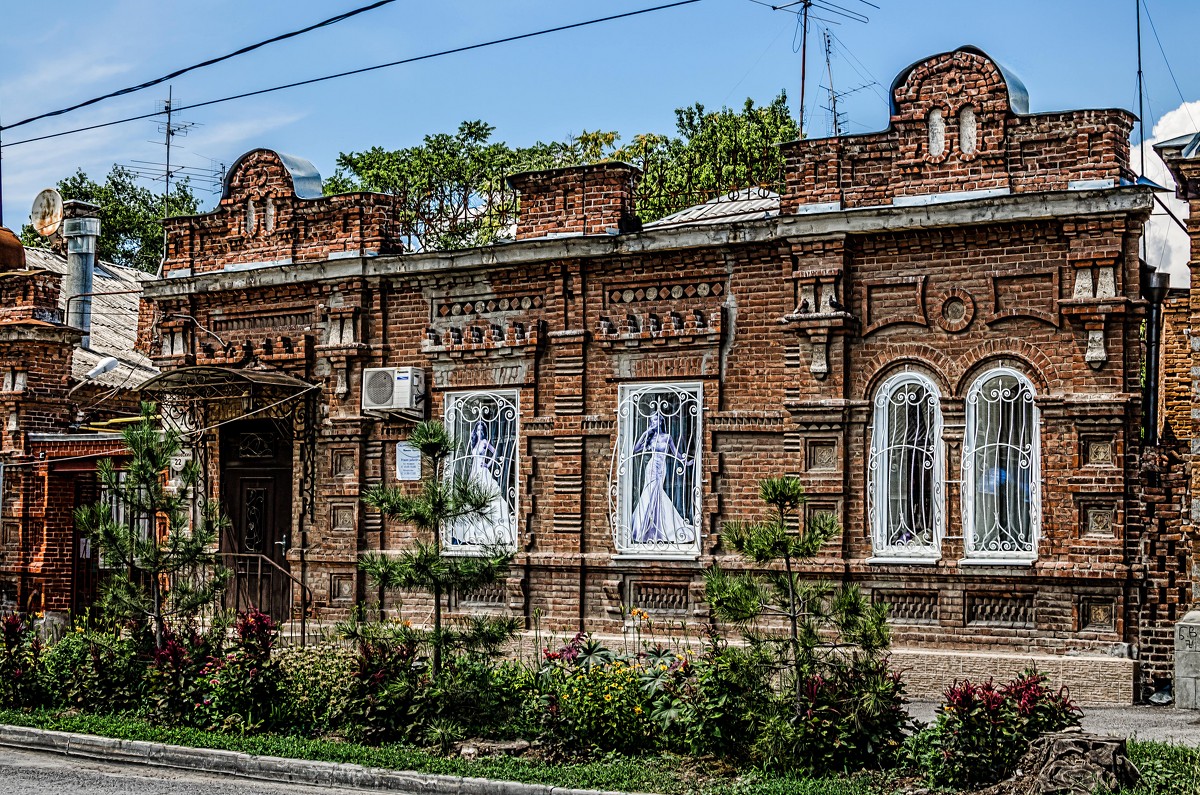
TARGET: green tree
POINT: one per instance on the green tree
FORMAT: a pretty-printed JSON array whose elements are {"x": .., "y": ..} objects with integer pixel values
[
  {"x": 451, "y": 191},
  {"x": 131, "y": 231},
  {"x": 712, "y": 153},
  {"x": 164, "y": 568},
  {"x": 823, "y": 621},
  {"x": 443, "y": 499}
]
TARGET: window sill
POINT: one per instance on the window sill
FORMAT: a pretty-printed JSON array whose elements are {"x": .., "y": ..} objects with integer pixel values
[
  {"x": 1012, "y": 563},
  {"x": 654, "y": 556},
  {"x": 886, "y": 560}
]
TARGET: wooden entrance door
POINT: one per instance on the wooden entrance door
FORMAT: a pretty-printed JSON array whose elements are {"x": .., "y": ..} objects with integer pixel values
[{"x": 256, "y": 493}]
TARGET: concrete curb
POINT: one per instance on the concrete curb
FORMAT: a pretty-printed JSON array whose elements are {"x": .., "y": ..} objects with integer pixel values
[{"x": 268, "y": 768}]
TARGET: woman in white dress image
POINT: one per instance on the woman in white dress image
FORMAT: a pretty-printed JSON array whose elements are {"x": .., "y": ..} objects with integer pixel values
[
  {"x": 492, "y": 526},
  {"x": 655, "y": 518}
]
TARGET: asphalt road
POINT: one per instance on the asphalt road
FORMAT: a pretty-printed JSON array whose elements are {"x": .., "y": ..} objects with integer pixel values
[{"x": 32, "y": 773}]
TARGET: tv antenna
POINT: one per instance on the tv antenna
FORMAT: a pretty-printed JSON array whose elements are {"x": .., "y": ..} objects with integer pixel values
[
  {"x": 170, "y": 128},
  {"x": 805, "y": 13}
]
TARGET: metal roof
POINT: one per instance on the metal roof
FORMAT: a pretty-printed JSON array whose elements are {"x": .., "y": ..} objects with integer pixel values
[
  {"x": 114, "y": 321},
  {"x": 306, "y": 180},
  {"x": 1018, "y": 94},
  {"x": 1185, "y": 146},
  {"x": 748, "y": 204}
]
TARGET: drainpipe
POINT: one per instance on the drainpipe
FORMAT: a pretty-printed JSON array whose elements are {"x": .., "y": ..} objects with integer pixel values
[
  {"x": 1155, "y": 284},
  {"x": 81, "y": 229}
]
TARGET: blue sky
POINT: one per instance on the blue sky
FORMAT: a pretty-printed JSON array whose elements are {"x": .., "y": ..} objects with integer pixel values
[{"x": 627, "y": 75}]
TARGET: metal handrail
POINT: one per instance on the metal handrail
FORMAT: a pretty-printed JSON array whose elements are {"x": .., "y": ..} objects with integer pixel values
[{"x": 259, "y": 559}]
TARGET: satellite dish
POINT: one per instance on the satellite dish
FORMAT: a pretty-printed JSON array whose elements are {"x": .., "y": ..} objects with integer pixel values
[{"x": 47, "y": 212}]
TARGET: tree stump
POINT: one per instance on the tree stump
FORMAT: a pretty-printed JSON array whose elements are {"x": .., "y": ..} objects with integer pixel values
[{"x": 1071, "y": 763}]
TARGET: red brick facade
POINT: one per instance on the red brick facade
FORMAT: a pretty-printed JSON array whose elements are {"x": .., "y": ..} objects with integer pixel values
[{"x": 942, "y": 254}]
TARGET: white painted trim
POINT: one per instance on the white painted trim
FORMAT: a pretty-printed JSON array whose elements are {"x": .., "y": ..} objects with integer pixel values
[
  {"x": 883, "y": 560},
  {"x": 948, "y": 196}
]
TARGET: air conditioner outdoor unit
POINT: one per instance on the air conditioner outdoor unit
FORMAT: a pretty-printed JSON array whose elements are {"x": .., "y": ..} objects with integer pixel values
[{"x": 399, "y": 389}]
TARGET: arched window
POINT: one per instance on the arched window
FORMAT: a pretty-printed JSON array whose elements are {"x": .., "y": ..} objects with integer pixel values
[
  {"x": 937, "y": 133},
  {"x": 968, "y": 130},
  {"x": 1001, "y": 466},
  {"x": 906, "y": 468}
]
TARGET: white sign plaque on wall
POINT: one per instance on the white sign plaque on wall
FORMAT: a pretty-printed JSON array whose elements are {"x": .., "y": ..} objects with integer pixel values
[{"x": 408, "y": 462}]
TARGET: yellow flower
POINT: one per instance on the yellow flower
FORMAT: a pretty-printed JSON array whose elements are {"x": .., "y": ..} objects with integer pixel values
[
  {"x": 608, "y": 697},
  {"x": 637, "y": 710}
]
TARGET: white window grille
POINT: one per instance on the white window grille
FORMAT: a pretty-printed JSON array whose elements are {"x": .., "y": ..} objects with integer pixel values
[
  {"x": 906, "y": 469},
  {"x": 484, "y": 426},
  {"x": 1001, "y": 468},
  {"x": 654, "y": 487}
]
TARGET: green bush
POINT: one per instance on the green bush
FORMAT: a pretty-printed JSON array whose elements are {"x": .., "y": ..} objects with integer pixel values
[
  {"x": 316, "y": 685},
  {"x": 98, "y": 670},
  {"x": 595, "y": 700},
  {"x": 982, "y": 731},
  {"x": 715, "y": 703},
  {"x": 21, "y": 666},
  {"x": 240, "y": 690}
]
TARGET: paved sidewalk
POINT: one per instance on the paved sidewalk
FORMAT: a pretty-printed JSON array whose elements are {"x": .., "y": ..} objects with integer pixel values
[{"x": 1165, "y": 724}]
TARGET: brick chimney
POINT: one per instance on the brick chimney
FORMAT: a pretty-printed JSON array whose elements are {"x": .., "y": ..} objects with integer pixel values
[{"x": 577, "y": 200}]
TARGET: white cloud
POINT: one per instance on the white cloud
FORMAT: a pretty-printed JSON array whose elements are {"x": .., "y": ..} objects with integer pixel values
[{"x": 1167, "y": 246}]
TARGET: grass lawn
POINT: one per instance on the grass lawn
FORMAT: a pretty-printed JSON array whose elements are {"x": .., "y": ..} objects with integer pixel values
[{"x": 1167, "y": 769}]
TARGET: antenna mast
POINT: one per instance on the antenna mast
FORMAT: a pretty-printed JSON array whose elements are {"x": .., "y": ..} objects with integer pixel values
[
  {"x": 803, "y": 59},
  {"x": 835, "y": 126},
  {"x": 1141, "y": 86}
]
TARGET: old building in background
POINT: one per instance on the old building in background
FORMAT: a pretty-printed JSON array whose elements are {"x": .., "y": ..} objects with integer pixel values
[
  {"x": 936, "y": 327},
  {"x": 69, "y": 370}
]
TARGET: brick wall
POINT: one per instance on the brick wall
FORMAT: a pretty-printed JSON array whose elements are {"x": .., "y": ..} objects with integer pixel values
[
  {"x": 789, "y": 335},
  {"x": 581, "y": 200},
  {"x": 1012, "y": 151}
]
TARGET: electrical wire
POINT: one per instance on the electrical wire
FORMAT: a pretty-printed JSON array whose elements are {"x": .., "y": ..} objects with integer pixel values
[
  {"x": 1167, "y": 61},
  {"x": 211, "y": 61},
  {"x": 363, "y": 70}
]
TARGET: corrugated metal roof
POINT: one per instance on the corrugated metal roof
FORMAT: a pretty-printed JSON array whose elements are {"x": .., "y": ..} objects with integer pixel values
[
  {"x": 748, "y": 204},
  {"x": 114, "y": 321}
]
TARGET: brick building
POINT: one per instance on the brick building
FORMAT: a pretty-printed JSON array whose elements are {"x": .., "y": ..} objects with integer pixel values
[
  {"x": 935, "y": 326},
  {"x": 61, "y": 386}
]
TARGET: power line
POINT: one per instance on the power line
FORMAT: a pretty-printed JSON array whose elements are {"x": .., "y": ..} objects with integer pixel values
[
  {"x": 362, "y": 70},
  {"x": 201, "y": 65},
  {"x": 1167, "y": 61}
]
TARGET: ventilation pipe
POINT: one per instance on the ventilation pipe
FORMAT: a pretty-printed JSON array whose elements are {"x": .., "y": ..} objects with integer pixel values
[
  {"x": 81, "y": 230},
  {"x": 1155, "y": 285}
]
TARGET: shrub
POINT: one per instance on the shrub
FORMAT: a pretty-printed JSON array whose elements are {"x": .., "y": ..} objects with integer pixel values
[
  {"x": 982, "y": 730},
  {"x": 594, "y": 700},
  {"x": 240, "y": 690},
  {"x": 21, "y": 680},
  {"x": 175, "y": 678},
  {"x": 850, "y": 719},
  {"x": 316, "y": 685},
  {"x": 98, "y": 670},
  {"x": 715, "y": 703}
]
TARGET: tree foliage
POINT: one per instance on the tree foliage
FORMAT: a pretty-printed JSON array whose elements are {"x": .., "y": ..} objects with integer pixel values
[
  {"x": 131, "y": 231},
  {"x": 441, "y": 500},
  {"x": 824, "y": 621},
  {"x": 451, "y": 193},
  {"x": 162, "y": 565}
]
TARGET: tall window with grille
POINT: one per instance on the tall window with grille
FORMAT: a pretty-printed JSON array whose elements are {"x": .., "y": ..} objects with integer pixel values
[
  {"x": 906, "y": 469},
  {"x": 484, "y": 426},
  {"x": 654, "y": 489},
  {"x": 1001, "y": 468},
  {"x": 124, "y": 512}
]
